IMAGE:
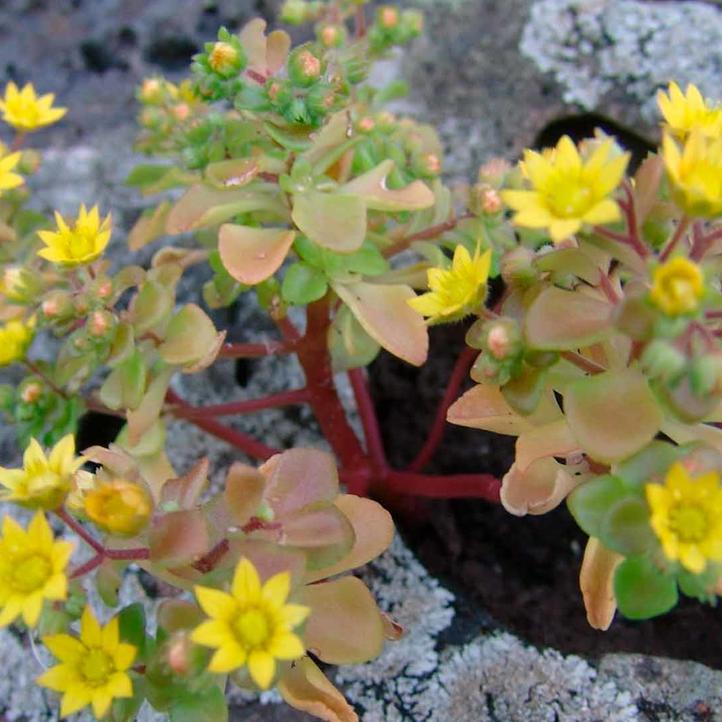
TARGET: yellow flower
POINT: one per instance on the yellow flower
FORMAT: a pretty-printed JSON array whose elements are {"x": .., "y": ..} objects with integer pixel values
[
  {"x": 118, "y": 507},
  {"x": 82, "y": 243},
  {"x": 223, "y": 58},
  {"x": 93, "y": 669},
  {"x": 687, "y": 517},
  {"x": 9, "y": 179},
  {"x": 457, "y": 291},
  {"x": 25, "y": 111},
  {"x": 32, "y": 569},
  {"x": 568, "y": 190},
  {"x": 695, "y": 173},
  {"x": 15, "y": 337},
  {"x": 677, "y": 286},
  {"x": 684, "y": 113},
  {"x": 43, "y": 482},
  {"x": 252, "y": 626}
]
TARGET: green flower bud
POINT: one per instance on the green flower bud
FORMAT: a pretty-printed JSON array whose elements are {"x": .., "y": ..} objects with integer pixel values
[
  {"x": 295, "y": 12},
  {"x": 661, "y": 360},
  {"x": 332, "y": 36},
  {"x": 304, "y": 68},
  {"x": 412, "y": 23},
  {"x": 705, "y": 374},
  {"x": 321, "y": 99}
]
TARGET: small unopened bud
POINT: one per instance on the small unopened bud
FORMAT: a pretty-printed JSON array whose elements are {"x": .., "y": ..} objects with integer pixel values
[
  {"x": 294, "y": 12},
  {"x": 99, "y": 323},
  {"x": 179, "y": 654},
  {"x": 50, "y": 307},
  {"x": 105, "y": 289},
  {"x": 498, "y": 341},
  {"x": 413, "y": 21},
  {"x": 331, "y": 36},
  {"x": 431, "y": 163},
  {"x": 304, "y": 68},
  {"x": 151, "y": 91},
  {"x": 12, "y": 283},
  {"x": 223, "y": 58},
  {"x": 385, "y": 119},
  {"x": 493, "y": 172},
  {"x": 388, "y": 17},
  {"x": 31, "y": 392},
  {"x": 517, "y": 267},
  {"x": 366, "y": 124},
  {"x": 181, "y": 111},
  {"x": 80, "y": 304},
  {"x": 490, "y": 201},
  {"x": 503, "y": 338}
]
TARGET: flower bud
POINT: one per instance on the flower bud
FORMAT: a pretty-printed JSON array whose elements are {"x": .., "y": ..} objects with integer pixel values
[
  {"x": 413, "y": 23},
  {"x": 224, "y": 58},
  {"x": 321, "y": 99},
  {"x": 105, "y": 289},
  {"x": 151, "y": 91},
  {"x": 493, "y": 172},
  {"x": 387, "y": 17},
  {"x": 100, "y": 322},
  {"x": 295, "y": 12},
  {"x": 56, "y": 306},
  {"x": 517, "y": 267},
  {"x": 662, "y": 360},
  {"x": 181, "y": 111},
  {"x": 31, "y": 392},
  {"x": 332, "y": 36},
  {"x": 179, "y": 648},
  {"x": 365, "y": 124},
  {"x": 304, "y": 68},
  {"x": 429, "y": 164},
  {"x": 118, "y": 507}
]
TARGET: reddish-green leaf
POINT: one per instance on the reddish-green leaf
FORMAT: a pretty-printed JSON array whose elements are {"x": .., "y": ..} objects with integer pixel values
[
  {"x": 334, "y": 221},
  {"x": 252, "y": 255},
  {"x": 188, "y": 337},
  {"x": 178, "y": 537}
]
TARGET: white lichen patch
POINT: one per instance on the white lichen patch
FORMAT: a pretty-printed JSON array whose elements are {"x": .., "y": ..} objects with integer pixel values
[{"x": 596, "y": 47}]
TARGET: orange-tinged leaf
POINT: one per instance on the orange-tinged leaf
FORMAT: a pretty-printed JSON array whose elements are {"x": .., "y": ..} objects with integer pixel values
[
  {"x": 299, "y": 477},
  {"x": 305, "y": 687},
  {"x": 373, "y": 529},
  {"x": 371, "y": 188},
  {"x": 252, "y": 255},
  {"x": 178, "y": 537},
  {"x": 540, "y": 488},
  {"x": 189, "y": 336},
  {"x": 149, "y": 227},
  {"x": 484, "y": 407},
  {"x": 646, "y": 185},
  {"x": 613, "y": 414},
  {"x": 233, "y": 173},
  {"x": 177, "y": 614},
  {"x": 185, "y": 491},
  {"x": 278, "y": 43},
  {"x": 596, "y": 581},
  {"x": 552, "y": 439},
  {"x": 386, "y": 316},
  {"x": 253, "y": 39},
  {"x": 566, "y": 320},
  {"x": 345, "y": 625},
  {"x": 243, "y": 492},
  {"x": 334, "y": 221}
]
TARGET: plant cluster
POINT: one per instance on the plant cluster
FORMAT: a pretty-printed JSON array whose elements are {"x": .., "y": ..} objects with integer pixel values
[{"x": 299, "y": 189}]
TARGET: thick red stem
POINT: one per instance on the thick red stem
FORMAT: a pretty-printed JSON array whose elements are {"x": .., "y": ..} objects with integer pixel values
[
  {"x": 272, "y": 401},
  {"x": 247, "y": 444},
  {"x": 676, "y": 237},
  {"x": 78, "y": 528},
  {"x": 254, "y": 350},
  {"x": 369, "y": 420},
  {"x": 436, "y": 432},
  {"x": 455, "y": 486},
  {"x": 315, "y": 360}
]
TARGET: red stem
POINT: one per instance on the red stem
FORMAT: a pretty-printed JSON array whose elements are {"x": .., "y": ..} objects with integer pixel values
[
  {"x": 247, "y": 444},
  {"x": 89, "y": 566},
  {"x": 369, "y": 420},
  {"x": 284, "y": 398},
  {"x": 679, "y": 231},
  {"x": 255, "y": 75},
  {"x": 436, "y": 432},
  {"x": 78, "y": 528},
  {"x": 455, "y": 486}
]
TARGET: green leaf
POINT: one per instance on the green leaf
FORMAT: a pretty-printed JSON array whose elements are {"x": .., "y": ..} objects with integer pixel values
[
  {"x": 368, "y": 260},
  {"x": 350, "y": 346},
  {"x": 625, "y": 528},
  {"x": 334, "y": 221},
  {"x": 189, "y": 337},
  {"x": 207, "y": 705},
  {"x": 131, "y": 621},
  {"x": 566, "y": 320},
  {"x": 650, "y": 462},
  {"x": 125, "y": 386},
  {"x": 613, "y": 414},
  {"x": 303, "y": 284},
  {"x": 590, "y": 502},
  {"x": 642, "y": 590},
  {"x": 153, "y": 179}
]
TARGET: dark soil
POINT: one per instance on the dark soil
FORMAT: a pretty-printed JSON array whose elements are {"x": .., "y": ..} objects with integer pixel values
[{"x": 521, "y": 571}]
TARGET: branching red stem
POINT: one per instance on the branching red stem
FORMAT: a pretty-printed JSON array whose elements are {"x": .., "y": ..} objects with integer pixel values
[
  {"x": 369, "y": 420},
  {"x": 679, "y": 232},
  {"x": 436, "y": 432},
  {"x": 272, "y": 401},
  {"x": 455, "y": 486},
  {"x": 254, "y": 350}
]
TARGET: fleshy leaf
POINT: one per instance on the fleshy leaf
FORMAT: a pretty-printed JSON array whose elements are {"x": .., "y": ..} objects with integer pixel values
[
  {"x": 371, "y": 187},
  {"x": 305, "y": 687},
  {"x": 350, "y": 346},
  {"x": 188, "y": 337},
  {"x": 552, "y": 439},
  {"x": 540, "y": 488},
  {"x": 149, "y": 227},
  {"x": 334, "y": 221},
  {"x": 345, "y": 626},
  {"x": 252, "y": 255},
  {"x": 566, "y": 320},
  {"x": 125, "y": 385},
  {"x": 642, "y": 590},
  {"x": 185, "y": 491},
  {"x": 596, "y": 581},
  {"x": 303, "y": 284},
  {"x": 233, "y": 173},
  {"x": 243, "y": 492},
  {"x": 141, "y": 419},
  {"x": 626, "y": 529},
  {"x": 178, "y": 537},
  {"x": 373, "y": 533},
  {"x": 299, "y": 477},
  {"x": 591, "y": 501},
  {"x": 386, "y": 316},
  {"x": 613, "y": 414}
]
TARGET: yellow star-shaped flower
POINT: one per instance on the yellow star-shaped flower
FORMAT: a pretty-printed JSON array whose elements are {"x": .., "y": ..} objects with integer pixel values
[
  {"x": 568, "y": 190},
  {"x": 93, "y": 669},
  {"x": 15, "y": 337},
  {"x": 677, "y": 287},
  {"x": 685, "y": 112},
  {"x": 8, "y": 178},
  {"x": 32, "y": 569},
  {"x": 457, "y": 291},
  {"x": 252, "y": 626},
  {"x": 80, "y": 243},
  {"x": 687, "y": 517},
  {"x": 25, "y": 111}
]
